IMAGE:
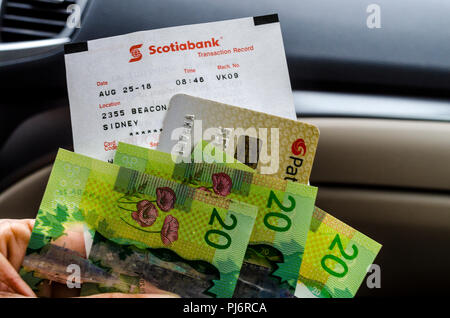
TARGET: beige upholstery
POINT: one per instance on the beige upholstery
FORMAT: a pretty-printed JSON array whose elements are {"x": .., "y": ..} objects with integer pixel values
[
  {"x": 390, "y": 179},
  {"x": 22, "y": 200},
  {"x": 400, "y": 153}
]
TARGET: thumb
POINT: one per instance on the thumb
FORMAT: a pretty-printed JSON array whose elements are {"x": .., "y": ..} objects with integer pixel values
[{"x": 12, "y": 279}]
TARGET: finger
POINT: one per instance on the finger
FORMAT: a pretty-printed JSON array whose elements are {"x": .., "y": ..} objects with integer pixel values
[
  {"x": 12, "y": 279},
  {"x": 120, "y": 295},
  {"x": 10, "y": 295},
  {"x": 27, "y": 222},
  {"x": 5, "y": 288},
  {"x": 73, "y": 240},
  {"x": 14, "y": 238}
]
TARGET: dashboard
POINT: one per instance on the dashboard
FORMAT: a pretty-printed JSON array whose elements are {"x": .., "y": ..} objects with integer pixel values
[
  {"x": 329, "y": 45},
  {"x": 340, "y": 64}
]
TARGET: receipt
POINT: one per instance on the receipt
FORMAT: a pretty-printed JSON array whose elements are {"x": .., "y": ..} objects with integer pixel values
[{"x": 119, "y": 87}]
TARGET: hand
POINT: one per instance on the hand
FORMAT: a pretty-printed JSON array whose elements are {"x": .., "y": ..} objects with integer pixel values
[{"x": 14, "y": 237}]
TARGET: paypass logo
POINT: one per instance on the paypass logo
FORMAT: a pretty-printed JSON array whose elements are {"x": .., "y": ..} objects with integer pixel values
[{"x": 135, "y": 53}]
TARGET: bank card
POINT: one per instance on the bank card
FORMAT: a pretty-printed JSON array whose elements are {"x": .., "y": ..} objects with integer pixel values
[
  {"x": 119, "y": 87},
  {"x": 272, "y": 145},
  {"x": 273, "y": 258},
  {"x": 147, "y": 231}
]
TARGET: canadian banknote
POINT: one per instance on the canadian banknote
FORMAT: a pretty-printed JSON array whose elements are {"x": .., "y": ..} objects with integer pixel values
[
  {"x": 274, "y": 255},
  {"x": 147, "y": 232},
  {"x": 326, "y": 270},
  {"x": 336, "y": 258}
]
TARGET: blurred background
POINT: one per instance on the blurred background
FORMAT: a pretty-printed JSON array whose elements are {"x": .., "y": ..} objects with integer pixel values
[{"x": 374, "y": 76}]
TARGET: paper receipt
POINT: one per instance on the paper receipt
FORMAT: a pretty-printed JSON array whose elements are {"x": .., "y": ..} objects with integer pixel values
[{"x": 119, "y": 88}]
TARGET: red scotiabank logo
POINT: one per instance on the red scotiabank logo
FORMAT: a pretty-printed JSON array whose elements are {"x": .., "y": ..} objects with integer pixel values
[
  {"x": 137, "y": 55},
  {"x": 299, "y": 147}
]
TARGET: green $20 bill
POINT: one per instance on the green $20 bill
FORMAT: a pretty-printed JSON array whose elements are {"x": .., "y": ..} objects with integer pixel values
[
  {"x": 273, "y": 259},
  {"x": 190, "y": 236}
]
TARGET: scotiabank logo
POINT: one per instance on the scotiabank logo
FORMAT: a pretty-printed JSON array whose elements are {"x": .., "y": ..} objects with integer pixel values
[
  {"x": 299, "y": 147},
  {"x": 173, "y": 47},
  {"x": 110, "y": 145},
  {"x": 135, "y": 53},
  {"x": 295, "y": 162}
]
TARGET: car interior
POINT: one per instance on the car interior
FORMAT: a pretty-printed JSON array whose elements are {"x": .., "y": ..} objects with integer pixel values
[{"x": 379, "y": 95}]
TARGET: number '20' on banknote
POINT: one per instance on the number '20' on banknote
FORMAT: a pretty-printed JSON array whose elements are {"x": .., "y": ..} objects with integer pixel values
[
  {"x": 273, "y": 258},
  {"x": 336, "y": 258},
  {"x": 147, "y": 232}
]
